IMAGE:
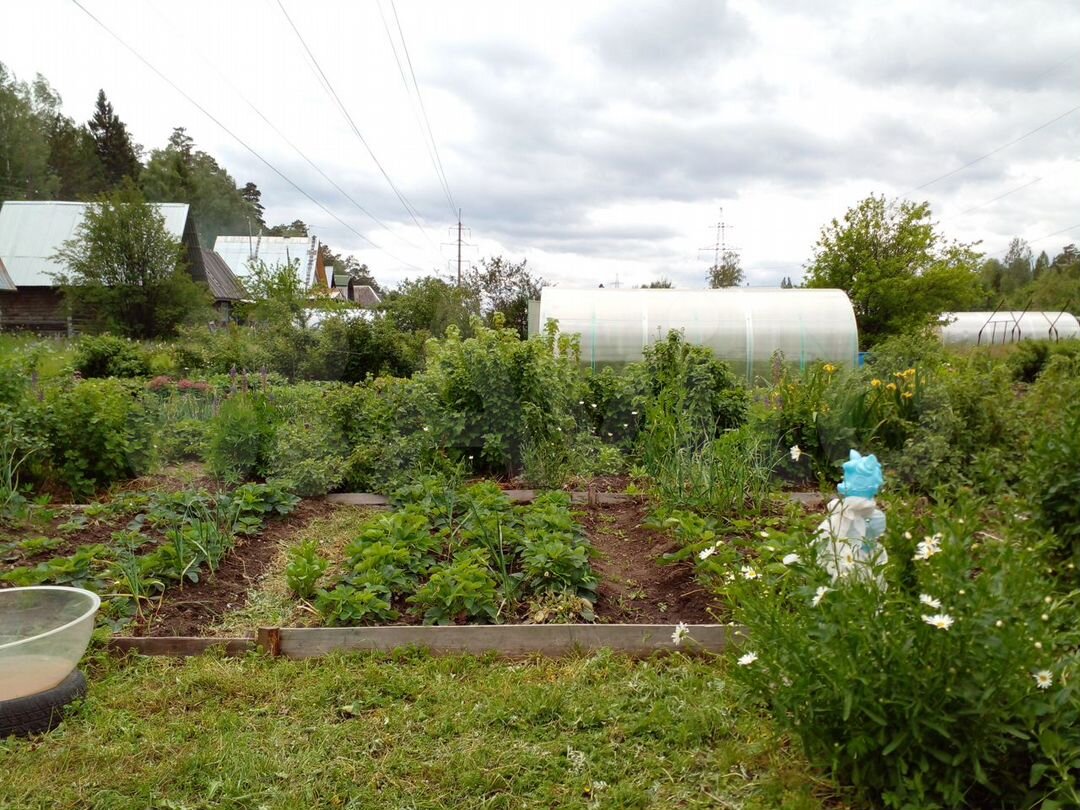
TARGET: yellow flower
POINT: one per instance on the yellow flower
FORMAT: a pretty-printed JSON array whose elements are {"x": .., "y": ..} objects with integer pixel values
[
  {"x": 899, "y": 375},
  {"x": 890, "y": 387},
  {"x": 909, "y": 373},
  {"x": 829, "y": 368},
  {"x": 876, "y": 383},
  {"x": 907, "y": 395}
]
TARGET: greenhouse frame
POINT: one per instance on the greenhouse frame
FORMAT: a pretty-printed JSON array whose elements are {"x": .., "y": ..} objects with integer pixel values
[{"x": 1002, "y": 327}]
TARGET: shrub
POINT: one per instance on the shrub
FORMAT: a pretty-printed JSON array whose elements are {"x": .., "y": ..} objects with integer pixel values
[
  {"x": 99, "y": 432},
  {"x": 1052, "y": 480},
  {"x": 555, "y": 564},
  {"x": 109, "y": 356},
  {"x": 486, "y": 395},
  {"x": 241, "y": 437},
  {"x": 949, "y": 686}
]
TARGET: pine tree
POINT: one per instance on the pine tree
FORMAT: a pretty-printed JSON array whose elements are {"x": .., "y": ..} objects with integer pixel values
[
  {"x": 251, "y": 193},
  {"x": 118, "y": 155}
]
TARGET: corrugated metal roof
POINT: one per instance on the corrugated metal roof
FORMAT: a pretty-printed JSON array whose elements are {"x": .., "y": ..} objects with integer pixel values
[
  {"x": 32, "y": 232},
  {"x": 5, "y": 280},
  {"x": 223, "y": 284},
  {"x": 275, "y": 251}
]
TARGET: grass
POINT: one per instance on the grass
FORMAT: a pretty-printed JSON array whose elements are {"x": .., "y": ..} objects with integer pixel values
[
  {"x": 270, "y": 603},
  {"x": 410, "y": 731}
]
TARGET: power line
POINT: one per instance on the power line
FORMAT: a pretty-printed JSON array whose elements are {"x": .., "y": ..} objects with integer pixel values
[
  {"x": 423, "y": 107},
  {"x": 1041, "y": 238},
  {"x": 293, "y": 146},
  {"x": 432, "y": 156},
  {"x": 232, "y": 134},
  {"x": 971, "y": 163},
  {"x": 1000, "y": 196},
  {"x": 329, "y": 87}
]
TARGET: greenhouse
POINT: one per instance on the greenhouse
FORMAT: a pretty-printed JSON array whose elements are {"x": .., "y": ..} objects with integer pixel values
[
  {"x": 1002, "y": 327},
  {"x": 743, "y": 326}
]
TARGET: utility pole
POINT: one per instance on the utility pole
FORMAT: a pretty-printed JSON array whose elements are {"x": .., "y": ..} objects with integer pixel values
[
  {"x": 720, "y": 247},
  {"x": 459, "y": 242}
]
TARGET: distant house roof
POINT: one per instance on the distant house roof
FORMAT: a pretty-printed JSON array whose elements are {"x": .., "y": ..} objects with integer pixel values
[
  {"x": 32, "y": 232},
  {"x": 224, "y": 285},
  {"x": 5, "y": 280},
  {"x": 275, "y": 251},
  {"x": 365, "y": 296}
]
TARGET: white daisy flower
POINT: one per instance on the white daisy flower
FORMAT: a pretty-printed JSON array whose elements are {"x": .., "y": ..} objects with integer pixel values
[
  {"x": 681, "y": 632},
  {"x": 930, "y": 601},
  {"x": 748, "y": 572},
  {"x": 819, "y": 594},
  {"x": 748, "y": 659},
  {"x": 1044, "y": 679},
  {"x": 705, "y": 553},
  {"x": 942, "y": 621},
  {"x": 796, "y": 452},
  {"x": 791, "y": 559}
]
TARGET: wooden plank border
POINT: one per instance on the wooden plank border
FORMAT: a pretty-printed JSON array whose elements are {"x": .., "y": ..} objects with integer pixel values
[
  {"x": 510, "y": 640},
  {"x": 178, "y": 645}
]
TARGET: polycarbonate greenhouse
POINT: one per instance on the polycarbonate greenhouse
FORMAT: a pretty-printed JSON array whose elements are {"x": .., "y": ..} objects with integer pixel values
[
  {"x": 990, "y": 328},
  {"x": 743, "y": 326}
]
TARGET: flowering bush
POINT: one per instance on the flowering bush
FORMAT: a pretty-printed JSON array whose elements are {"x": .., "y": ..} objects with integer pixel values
[{"x": 950, "y": 684}]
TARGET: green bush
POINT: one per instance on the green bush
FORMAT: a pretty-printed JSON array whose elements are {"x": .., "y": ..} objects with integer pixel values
[
  {"x": 1030, "y": 357},
  {"x": 1052, "y": 480},
  {"x": 485, "y": 396},
  {"x": 99, "y": 432},
  {"x": 241, "y": 437},
  {"x": 109, "y": 356},
  {"x": 949, "y": 685}
]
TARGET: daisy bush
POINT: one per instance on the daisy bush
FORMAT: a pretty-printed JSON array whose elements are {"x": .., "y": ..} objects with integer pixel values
[{"x": 950, "y": 684}]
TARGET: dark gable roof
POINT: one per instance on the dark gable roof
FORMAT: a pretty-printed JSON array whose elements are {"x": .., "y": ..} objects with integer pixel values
[
  {"x": 223, "y": 284},
  {"x": 365, "y": 296}
]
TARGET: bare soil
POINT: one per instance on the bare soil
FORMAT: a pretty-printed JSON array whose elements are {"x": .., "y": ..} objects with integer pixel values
[
  {"x": 188, "y": 610},
  {"x": 637, "y": 585}
]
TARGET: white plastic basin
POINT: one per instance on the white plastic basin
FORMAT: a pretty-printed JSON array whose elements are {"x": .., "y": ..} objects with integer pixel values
[{"x": 43, "y": 634}]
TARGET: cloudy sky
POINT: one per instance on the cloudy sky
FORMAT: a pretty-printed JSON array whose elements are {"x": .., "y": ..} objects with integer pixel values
[{"x": 598, "y": 139}]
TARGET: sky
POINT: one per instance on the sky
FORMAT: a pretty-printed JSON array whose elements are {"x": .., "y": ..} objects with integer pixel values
[{"x": 603, "y": 141}]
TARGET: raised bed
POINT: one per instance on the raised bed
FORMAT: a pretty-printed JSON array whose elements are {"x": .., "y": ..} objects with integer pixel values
[{"x": 551, "y": 640}]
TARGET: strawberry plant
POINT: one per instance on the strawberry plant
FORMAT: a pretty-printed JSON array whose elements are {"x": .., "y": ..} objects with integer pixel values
[
  {"x": 304, "y": 568},
  {"x": 346, "y": 605},
  {"x": 460, "y": 591}
]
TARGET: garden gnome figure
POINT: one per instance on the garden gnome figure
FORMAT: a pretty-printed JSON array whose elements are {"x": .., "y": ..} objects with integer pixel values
[{"x": 849, "y": 535}]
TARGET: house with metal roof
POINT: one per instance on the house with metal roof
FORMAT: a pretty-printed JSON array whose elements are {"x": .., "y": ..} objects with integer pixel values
[
  {"x": 241, "y": 252},
  {"x": 343, "y": 287},
  {"x": 32, "y": 232}
]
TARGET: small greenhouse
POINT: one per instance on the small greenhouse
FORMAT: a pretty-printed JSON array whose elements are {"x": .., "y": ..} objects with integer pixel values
[
  {"x": 743, "y": 326},
  {"x": 1002, "y": 327}
]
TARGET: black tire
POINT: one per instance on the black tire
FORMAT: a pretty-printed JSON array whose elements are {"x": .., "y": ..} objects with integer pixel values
[{"x": 36, "y": 714}]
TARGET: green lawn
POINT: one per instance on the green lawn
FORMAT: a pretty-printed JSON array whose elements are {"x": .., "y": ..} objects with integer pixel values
[{"x": 410, "y": 731}]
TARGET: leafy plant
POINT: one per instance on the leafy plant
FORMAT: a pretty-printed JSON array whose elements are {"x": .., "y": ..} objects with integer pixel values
[
  {"x": 459, "y": 591},
  {"x": 947, "y": 686},
  {"x": 241, "y": 437},
  {"x": 555, "y": 565},
  {"x": 304, "y": 568},
  {"x": 109, "y": 356},
  {"x": 346, "y": 605}
]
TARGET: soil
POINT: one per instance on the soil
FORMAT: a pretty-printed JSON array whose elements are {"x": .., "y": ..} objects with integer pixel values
[
  {"x": 189, "y": 610},
  {"x": 637, "y": 586}
]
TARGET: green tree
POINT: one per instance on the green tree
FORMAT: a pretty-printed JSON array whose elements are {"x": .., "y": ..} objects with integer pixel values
[
  {"x": 431, "y": 305},
  {"x": 297, "y": 228},
  {"x": 659, "y": 284},
  {"x": 182, "y": 173},
  {"x": 250, "y": 192},
  {"x": 119, "y": 156},
  {"x": 350, "y": 266},
  {"x": 898, "y": 271},
  {"x": 504, "y": 286},
  {"x": 785, "y": 283},
  {"x": 25, "y": 173},
  {"x": 1041, "y": 264},
  {"x": 125, "y": 270},
  {"x": 73, "y": 159},
  {"x": 728, "y": 273}
]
